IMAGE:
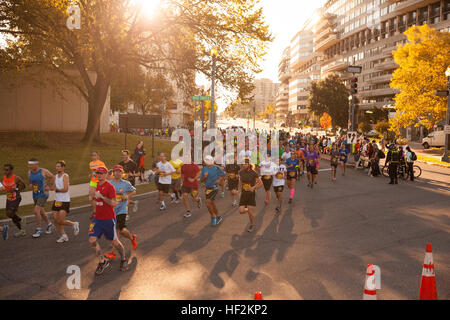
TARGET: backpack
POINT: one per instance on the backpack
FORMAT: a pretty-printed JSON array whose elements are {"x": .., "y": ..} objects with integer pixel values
[
  {"x": 381, "y": 154},
  {"x": 413, "y": 156}
]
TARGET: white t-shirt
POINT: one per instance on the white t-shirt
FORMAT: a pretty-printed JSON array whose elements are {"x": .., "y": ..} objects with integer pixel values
[
  {"x": 285, "y": 156},
  {"x": 278, "y": 169},
  {"x": 59, "y": 184},
  {"x": 168, "y": 169},
  {"x": 267, "y": 168}
]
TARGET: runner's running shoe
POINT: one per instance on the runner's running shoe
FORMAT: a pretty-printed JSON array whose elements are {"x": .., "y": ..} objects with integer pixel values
[
  {"x": 38, "y": 233},
  {"x": 110, "y": 256},
  {"x": 101, "y": 267},
  {"x": 134, "y": 242}
]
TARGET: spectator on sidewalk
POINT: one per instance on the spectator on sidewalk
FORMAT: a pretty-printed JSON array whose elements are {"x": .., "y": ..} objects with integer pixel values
[{"x": 410, "y": 157}]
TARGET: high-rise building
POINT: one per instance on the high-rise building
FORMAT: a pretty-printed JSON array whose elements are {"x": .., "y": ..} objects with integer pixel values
[
  {"x": 364, "y": 33},
  {"x": 282, "y": 99},
  {"x": 265, "y": 93},
  {"x": 357, "y": 32}
]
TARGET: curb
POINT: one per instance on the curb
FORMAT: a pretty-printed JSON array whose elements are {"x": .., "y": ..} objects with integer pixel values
[{"x": 30, "y": 219}]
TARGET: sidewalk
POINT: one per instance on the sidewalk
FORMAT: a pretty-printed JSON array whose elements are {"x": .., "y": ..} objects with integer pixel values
[{"x": 429, "y": 156}]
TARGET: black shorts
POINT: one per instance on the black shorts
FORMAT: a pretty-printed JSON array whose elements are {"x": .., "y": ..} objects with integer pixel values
[
  {"x": 121, "y": 220},
  {"x": 59, "y": 206},
  {"x": 312, "y": 170},
  {"x": 211, "y": 194},
  {"x": 163, "y": 187},
  {"x": 186, "y": 189},
  {"x": 334, "y": 164},
  {"x": 233, "y": 184},
  {"x": 278, "y": 189},
  {"x": 267, "y": 183},
  {"x": 248, "y": 199},
  {"x": 292, "y": 175},
  {"x": 13, "y": 205}
]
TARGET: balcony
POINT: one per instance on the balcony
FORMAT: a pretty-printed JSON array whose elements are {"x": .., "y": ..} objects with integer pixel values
[
  {"x": 378, "y": 105},
  {"x": 332, "y": 39},
  {"x": 335, "y": 66},
  {"x": 325, "y": 33},
  {"x": 379, "y": 92},
  {"x": 409, "y": 5},
  {"x": 325, "y": 21},
  {"x": 380, "y": 79},
  {"x": 284, "y": 76},
  {"x": 387, "y": 65}
]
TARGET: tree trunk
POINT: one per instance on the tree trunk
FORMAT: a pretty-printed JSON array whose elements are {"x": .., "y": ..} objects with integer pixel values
[{"x": 96, "y": 102}]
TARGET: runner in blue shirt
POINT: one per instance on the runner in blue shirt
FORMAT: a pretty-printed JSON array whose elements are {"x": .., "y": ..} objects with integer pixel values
[
  {"x": 343, "y": 157},
  {"x": 291, "y": 166},
  {"x": 212, "y": 176},
  {"x": 124, "y": 192}
]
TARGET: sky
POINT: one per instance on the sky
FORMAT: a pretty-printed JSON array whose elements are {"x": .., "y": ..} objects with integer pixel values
[{"x": 285, "y": 18}]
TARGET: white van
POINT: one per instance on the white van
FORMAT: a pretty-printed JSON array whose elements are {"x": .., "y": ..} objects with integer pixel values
[{"x": 434, "y": 139}]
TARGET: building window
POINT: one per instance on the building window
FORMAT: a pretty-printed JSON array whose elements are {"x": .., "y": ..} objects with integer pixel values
[{"x": 423, "y": 15}]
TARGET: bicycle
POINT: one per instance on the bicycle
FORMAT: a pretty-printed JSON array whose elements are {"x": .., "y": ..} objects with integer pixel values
[{"x": 402, "y": 172}]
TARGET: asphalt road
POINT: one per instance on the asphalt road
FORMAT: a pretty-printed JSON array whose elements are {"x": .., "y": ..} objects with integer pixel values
[{"x": 317, "y": 248}]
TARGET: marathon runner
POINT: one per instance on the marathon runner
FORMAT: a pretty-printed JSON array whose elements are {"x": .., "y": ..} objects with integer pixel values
[
  {"x": 165, "y": 170},
  {"x": 301, "y": 159},
  {"x": 93, "y": 165},
  {"x": 61, "y": 205},
  {"x": 130, "y": 171},
  {"x": 312, "y": 158},
  {"x": 291, "y": 167},
  {"x": 212, "y": 175},
  {"x": 266, "y": 171},
  {"x": 279, "y": 176},
  {"x": 232, "y": 171},
  {"x": 334, "y": 160},
  {"x": 104, "y": 222},
  {"x": 190, "y": 173},
  {"x": 38, "y": 178},
  {"x": 343, "y": 157},
  {"x": 249, "y": 182},
  {"x": 124, "y": 191},
  {"x": 13, "y": 185},
  {"x": 176, "y": 181}
]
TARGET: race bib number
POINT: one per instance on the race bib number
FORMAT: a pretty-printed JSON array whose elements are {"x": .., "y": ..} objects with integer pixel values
[
  {"x": 292, "y": 173},
  {"x": 58, "y": 204},
  {"x": 333, "y": 159},
  {"x": 267, "y": 177},
  {"x": 246, "y": 187},
  {"x": 119, "y": 197},
  {"x": 9, "y": 195},
  {"x": 99, "y": 203},
  {"x": 194, "y": 193},
  {"x": 232, "y": 175},
  {"x": 279, "y": 175},
  {"x": 208, "y": 191},
  {"x": 311, "y": 161},
  {"x": 35, "y": 188},
  {"x": 91, "y": 227}
]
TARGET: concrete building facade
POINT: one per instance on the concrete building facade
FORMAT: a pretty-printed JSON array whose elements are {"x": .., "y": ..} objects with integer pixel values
[{"x": 265, "y": 93}]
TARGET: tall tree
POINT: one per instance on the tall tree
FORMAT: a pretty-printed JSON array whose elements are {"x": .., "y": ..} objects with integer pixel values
[
  {"x": 422, "y": 63},
  {"x": 330, "y": 95},
  {"x": 115, "y": 33}
]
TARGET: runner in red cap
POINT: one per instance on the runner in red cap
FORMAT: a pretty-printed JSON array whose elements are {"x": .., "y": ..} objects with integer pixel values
[{"x": 104, "y": 222}]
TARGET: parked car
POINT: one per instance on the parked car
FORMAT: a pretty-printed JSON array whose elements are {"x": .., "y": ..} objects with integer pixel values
[{"x": 434, "y": 139}]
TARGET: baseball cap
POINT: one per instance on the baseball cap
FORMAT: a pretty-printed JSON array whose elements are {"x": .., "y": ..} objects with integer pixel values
[
  {"x": 118, "y": 167},
  {"x": 101, "y": 170}
]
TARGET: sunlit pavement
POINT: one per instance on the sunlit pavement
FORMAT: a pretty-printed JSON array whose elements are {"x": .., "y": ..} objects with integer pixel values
[{"x": 317, "y": 248}]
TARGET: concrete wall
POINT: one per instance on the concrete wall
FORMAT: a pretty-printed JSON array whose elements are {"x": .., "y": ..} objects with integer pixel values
[{"x": 35, "y": 106}]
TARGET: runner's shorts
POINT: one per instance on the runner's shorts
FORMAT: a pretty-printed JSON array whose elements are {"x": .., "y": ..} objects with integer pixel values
[
  {"x": 312, "y": 169},
  {"x": 164, "y": 187},
  {"x": 278, "y": 189},
  {"x": 176, "y": 184},
  {"x": 233, "y": 184},
  {"x": 97, "y": 228},
  {"x": 292, "y": 175},
  {"x": 193, "y": 190},
  {"x": 248, "y": 199},
  {"x": 59, "y": 205},
  {"x": 40, "y": 202},
  {"x": 211, "y": 194},
  {"x": 121, "y": 221},
  {"x": 267, "y": 182},
  {"x": 13, "y": 205}
]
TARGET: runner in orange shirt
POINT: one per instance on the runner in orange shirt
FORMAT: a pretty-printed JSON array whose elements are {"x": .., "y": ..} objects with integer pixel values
[{"x": 93, "y": 165}]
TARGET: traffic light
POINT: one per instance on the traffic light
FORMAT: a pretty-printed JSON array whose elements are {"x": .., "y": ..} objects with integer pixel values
[{"x": 354, "y": 86}]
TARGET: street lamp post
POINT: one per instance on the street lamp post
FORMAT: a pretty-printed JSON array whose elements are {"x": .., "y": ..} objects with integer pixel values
[
  {"x": 213, "y": 78},
  {"x": 447, "y": 119},
  {"x": 350, "y": 123}
]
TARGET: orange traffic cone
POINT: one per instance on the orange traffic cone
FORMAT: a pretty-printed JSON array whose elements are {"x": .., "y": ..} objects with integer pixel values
[
  {"x": 370, "y": 291},
  {"x": 258, "y": 295},
  {"x": 428, "y": 282}
]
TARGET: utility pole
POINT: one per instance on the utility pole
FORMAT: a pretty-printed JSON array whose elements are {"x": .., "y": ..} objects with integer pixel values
[
  {"x": 212, "y": 116},
  {"x": 447, "y": 118},
  {"x": 254, "y": 114}
]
